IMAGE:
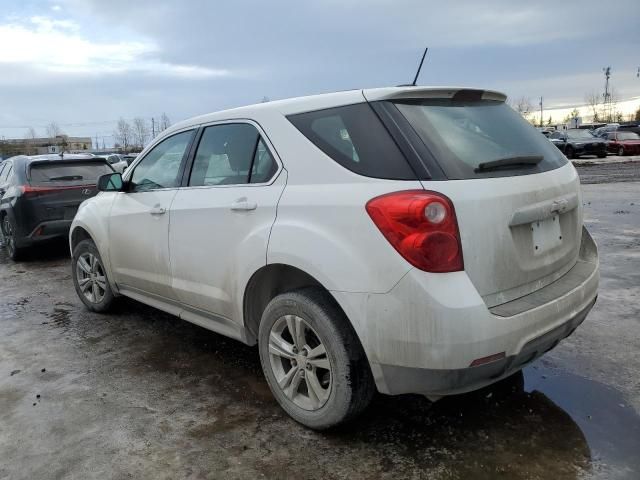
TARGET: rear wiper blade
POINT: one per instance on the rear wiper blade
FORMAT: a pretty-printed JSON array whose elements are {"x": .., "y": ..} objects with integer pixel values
[
  {"x": 67, "y": 177},
  {"x": 522, "y": 160}
]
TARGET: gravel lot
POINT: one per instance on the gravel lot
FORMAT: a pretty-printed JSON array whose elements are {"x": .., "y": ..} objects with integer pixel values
[{"x": 141, "y": 394}]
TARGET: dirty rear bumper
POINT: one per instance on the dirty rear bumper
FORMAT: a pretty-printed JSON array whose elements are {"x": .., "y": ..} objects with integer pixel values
[
  {"x": 424, "y": 334},
  {"x": 452, "y": 381}
]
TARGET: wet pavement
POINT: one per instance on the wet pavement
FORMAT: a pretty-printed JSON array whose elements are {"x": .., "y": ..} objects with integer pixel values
[
  {"x": 141, "y": 394},
  {"x": 624, "y": 171}
]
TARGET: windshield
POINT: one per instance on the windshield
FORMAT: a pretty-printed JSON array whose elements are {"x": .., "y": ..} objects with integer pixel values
[
  {"x": 580, "y": 134},
  {"x": 628, "y": 136},
  {"x": 464, "y": 135},
  {"x": 71, "y": 173}
]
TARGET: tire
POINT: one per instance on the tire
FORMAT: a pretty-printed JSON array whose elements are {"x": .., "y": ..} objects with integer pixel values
[
  {"x": 8, "y": 232},
  {"x": 90, "y": 277},
  {"x": 621, "y": 151},
  {"x": 342, "y": 376},
  {"x": 569, "y": 153},
  {"x": 602, "y": 155}
]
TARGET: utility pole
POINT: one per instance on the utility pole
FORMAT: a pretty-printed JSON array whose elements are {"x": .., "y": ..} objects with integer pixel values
[
  {"x": 607, "y": 95},
  {"x": 97, "y": 144},
  {"x": 153, "y": 127},
  {"x": 541, "y": 117}
]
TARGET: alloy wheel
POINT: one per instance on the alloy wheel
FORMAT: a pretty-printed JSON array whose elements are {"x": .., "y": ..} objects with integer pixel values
[
  {"x": 621, "y": 152},
  {"x": 300, "y": 363},
  {"x": 91, "y": 278},
  {"x": 9, "y": 237}
]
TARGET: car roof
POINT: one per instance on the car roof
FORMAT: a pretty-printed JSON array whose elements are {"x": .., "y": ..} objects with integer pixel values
[{"x": 295, "y": 105}]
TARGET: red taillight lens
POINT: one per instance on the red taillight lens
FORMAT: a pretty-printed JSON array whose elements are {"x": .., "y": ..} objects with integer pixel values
[
  {"x": 31, "y": 191},
  {"x": 422, "y": 226}
]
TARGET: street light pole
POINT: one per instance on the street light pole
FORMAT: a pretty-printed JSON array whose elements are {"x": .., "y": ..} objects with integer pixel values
[{"x": 541, "y": 117}]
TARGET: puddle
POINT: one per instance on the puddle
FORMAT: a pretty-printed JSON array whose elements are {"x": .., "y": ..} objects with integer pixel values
[{"x": 610, "y": 425}]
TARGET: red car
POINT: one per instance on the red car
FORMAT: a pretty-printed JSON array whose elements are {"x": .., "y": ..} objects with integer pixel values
[{"x": 623, "y": 143}]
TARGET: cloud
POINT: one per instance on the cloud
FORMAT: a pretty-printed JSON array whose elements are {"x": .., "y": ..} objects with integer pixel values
[
  {"x": 57, "y": 45},
  {"x": 92, "y": 60}
]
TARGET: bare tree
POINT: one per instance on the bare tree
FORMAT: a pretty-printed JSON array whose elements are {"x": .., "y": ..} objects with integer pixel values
[
  {"x": 53, "y": 130},
  {"x": 31, "y": 133},
  {"x": 522, "y": 105},
  {"x": 140, "y": 132},
  {"x": 164, "y": 122},
  {"x": 123, "y": 134},
  {"x": 593, "y": 101}
]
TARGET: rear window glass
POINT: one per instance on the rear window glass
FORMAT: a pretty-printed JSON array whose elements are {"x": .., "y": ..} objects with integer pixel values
[
  {"x": 462, "y": 135},
  {"x": 354, "y": 137},
  {"x": 76, "y": 173}
]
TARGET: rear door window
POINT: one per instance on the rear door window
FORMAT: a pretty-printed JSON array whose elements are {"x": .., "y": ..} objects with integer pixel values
[
  {"x": 464, "y": 134},
  {"x": 354, "y": 137},
  {"x": 68, "y": 173}
]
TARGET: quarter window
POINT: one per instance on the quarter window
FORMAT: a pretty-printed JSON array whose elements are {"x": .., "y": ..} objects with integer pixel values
[
  {"x": 231, "y": 154},
  {"x": 354, "y": 137},
  {"x": 160, "y": 168}
]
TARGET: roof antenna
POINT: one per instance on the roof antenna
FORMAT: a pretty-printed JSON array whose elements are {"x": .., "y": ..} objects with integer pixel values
[{"x": 415, "y": 80}]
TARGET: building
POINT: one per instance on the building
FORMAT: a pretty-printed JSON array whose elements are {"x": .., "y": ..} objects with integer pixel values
[{"x": 37, "y": 146}]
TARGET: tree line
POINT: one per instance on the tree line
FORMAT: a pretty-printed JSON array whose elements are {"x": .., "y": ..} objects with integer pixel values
[
  {"x": 132, "y": 137},
  {"x": 600, "y": 110}
]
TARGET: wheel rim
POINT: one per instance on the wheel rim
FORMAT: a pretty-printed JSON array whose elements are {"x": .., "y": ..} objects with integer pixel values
[
  {"x": 91, "y": 278},
  {"x": 621, "y": 151},
  {"x": 9, "y": 238},
  {"x": 300, "y": 363}
]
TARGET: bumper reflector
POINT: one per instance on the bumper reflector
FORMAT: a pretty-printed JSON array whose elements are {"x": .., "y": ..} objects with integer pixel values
[{"x": 489, "y": 359}]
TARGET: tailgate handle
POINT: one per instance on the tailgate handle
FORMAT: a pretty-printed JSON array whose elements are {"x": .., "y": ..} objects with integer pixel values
[{"x": 543, "y": 210}]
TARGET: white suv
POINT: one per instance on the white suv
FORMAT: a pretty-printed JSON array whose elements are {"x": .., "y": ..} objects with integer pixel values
[{"x": 409, "y": 240}]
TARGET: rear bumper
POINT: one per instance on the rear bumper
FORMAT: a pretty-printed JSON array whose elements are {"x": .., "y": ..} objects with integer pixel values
[
  {"x": 451, "y": 381},
  {"x": 45, "y": 231},
  {"x": 424, "y": 334}
]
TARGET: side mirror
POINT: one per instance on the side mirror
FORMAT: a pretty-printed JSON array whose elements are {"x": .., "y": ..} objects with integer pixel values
[{"x": 111, "y": 182}]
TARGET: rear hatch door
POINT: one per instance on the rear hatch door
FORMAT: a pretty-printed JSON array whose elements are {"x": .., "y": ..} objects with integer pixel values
[
  {"x": 57, "y": 188},
  {"x": 517, "y": 199}
]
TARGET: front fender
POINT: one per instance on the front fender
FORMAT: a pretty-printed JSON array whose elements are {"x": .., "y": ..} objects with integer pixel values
[{"x": 93, "y": 217}]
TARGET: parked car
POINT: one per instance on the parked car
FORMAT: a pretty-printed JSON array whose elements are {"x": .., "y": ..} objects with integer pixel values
[
  {"x": 39, "y": 196},
  {"x": 602, "y": 131},
  {"x": 576, "y": 142},
  {"x": 630, "y": 127},
  {"x": 623, "y": 143},
  {"x": 117, "y": 162},
  {"x": 413, "y": 240}
]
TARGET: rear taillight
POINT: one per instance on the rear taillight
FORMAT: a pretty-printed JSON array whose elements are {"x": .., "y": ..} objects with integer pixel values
[
  {"x": 31, "y": 191},
  {"x": 422, "y": 226}
]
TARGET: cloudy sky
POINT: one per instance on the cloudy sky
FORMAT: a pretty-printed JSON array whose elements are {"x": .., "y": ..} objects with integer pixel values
[{"x": 85, "y": 63}]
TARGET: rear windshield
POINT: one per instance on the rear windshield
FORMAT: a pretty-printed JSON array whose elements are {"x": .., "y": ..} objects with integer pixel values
[
  {"x": 76, "y": 173},
  {"x": 462, "y": 135},
  {"x": 354, "y": 137}
]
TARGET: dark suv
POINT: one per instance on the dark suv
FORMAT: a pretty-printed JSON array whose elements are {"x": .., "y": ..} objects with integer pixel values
[{"x": 39, "y": 196}]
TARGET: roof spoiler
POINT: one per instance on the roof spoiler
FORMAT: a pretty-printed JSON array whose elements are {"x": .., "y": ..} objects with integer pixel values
[{"x": 415, "y": 93}]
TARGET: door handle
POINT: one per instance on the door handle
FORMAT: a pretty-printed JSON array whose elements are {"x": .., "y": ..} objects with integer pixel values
[
  {"x": 243, "y": 205},
  {"x": 158, "y": 210}
]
